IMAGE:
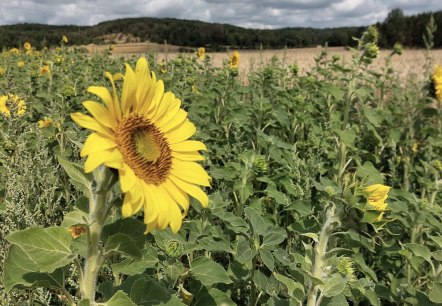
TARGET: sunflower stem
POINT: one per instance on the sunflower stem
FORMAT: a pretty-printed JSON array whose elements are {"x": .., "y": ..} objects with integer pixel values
[{"x": 98, "y": 213}]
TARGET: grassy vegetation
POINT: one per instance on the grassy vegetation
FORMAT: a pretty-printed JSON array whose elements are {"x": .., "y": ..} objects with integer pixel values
[{"x": 290, "y": 219}]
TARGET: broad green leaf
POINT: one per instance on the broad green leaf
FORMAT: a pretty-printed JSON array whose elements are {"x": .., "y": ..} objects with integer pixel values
[
  {"x": 245, "y": 190},
  {"x": 49, "y": 247},
  {"x": 371, "y": 297},
  {"x": 294, "y": 289},
  {"x": 214, "y": 297},
  {"x": 125, "y": 244},
  {"x": 256, "y": 220},
  {"x": 172, "y": 272},
  {"x": 419, "y": 250},
  {"x": 436, "y": 293},
  {"x": 267, "y": 258},
  {"x": 20, "y": 272},
  {"x": 368, "y": 171},
  {"x": 209, "y": 272},
  {"x": 75, "y": 217},
  {"x": 214, "y": 244},
  {"x": 76, "y": 173},
  {"x": 145, "y": 291},
  {"x": 334, "y": 286},
  {"x": 244, "y": 253},
  {"x": 266, "y": 283},
  {"x": 120, "y": 299},
  {"x": 273, "y": 237},
  {"x": 129, "y": 226},
  {"x": 132, "y": 266},
  {"x": 338, "y": 300}
]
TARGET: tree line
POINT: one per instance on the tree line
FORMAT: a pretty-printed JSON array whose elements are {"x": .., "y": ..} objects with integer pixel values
[{"x": 397, "y": 27}]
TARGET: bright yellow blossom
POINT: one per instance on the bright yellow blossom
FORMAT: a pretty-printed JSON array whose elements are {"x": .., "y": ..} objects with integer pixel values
[
  {"x": 234, "y": 60},
  {"x": 64, "y": 39},
  {"x": 27, "y": 46},
  {"x": 45, "y": 122},
  {"x": 437, "y": 82},
  {"x": 201, "y": 53},
  {"x": 20, "y": 64},
  {"x": 376, "y": 195},
  {"x": 45, "y": 70},
  {"x": 144, "y": 134}
]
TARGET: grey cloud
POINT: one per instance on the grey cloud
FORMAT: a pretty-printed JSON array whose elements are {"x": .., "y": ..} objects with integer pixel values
[{"x": 246, "y": 13}]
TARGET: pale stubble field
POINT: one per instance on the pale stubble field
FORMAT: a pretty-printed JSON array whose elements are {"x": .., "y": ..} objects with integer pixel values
[{"x": 410, "y": 64}]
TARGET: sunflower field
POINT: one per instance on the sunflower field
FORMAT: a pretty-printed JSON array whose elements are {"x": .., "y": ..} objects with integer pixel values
[{"x": 135, "y": 181}]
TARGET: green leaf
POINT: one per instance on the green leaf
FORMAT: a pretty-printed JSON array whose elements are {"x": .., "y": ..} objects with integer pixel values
[
  {"x": 273, "y": 237},
  {"x": 76, "y": 173},
  {"x": 129, "y": 226},
  {"x": 419, "y": 250},
  {"x": 244, "y": 253},
  {"x": 267, "y": 259},
  {"x": 265, "y": 282},
  {"x": 125, "y": 244},
  {"x": 213, "y": 297},
  {"x": 20, "y": 272},
  {"x": 435, "y": 294},
  {"x": 172, "y": 272},
  {"x": 49, "y": 247},
  {"x": 372, "y": 297},
  {"x": 120, "y": 299},
  {"x": 334, "y": 286},
  {"x": 215, "y": 244},
  {"x": 75, "y": 217},
  {"x": 209, "y": 272},
  {"x": 245, "y": 190},
  {"x": 132, "y": 266},
  {"x": 145, "y": 291},
  {"x": 338, "y": 300},
  {"x": 367, "y": 170},
  {"x": 256, "y": 220},
  {"x": 294, "y": 289}
]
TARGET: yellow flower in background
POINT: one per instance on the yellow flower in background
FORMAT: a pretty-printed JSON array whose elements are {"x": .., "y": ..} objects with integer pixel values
[
  {"x": 27, "y": 46},
  {"x": 437, "y": 82},
  {"x": 10, "y": 103},
  {"x": 2, "y": 71},
  {"x": 201, "y": 53},
  {"x": 144, "y": 134},
  {"x": 111, "y": 47},
  {"x": 45, "y": 122},
  {"x": 163, "y": 67},
  {"x": 20, "y": 64},
  {"x": 4, "y": 109},
  {"x": 64, "y": 39},
  {"x": 234, "y": 60},
  {"x": 376, "y": 196},
  {"x": 415, "y": 148},
  {"x": 14, "y": 51},
  {"x": 45, "y": 70}
]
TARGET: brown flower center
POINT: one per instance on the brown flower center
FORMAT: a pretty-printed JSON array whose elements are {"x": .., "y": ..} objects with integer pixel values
[{"x": 145, "y": 149}]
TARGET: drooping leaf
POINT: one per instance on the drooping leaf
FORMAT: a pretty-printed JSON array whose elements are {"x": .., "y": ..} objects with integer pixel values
[{"x": 209, "y": 272}]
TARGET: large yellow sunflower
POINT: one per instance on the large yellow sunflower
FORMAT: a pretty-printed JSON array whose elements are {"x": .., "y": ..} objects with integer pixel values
[
  {"x": 145, "y": 136},
  {"x": 234, "y": 60}
]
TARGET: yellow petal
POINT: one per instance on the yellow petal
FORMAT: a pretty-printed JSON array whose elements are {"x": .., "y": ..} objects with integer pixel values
[
  {"x": 128, "y": 94},
  {"x": 176, "y": 219},
  {"x": 189, "y": 172},
  {"x": 178, "y": 195},
  {"x": 175, "y": 122},
  {"x": 192, "y": 156},
  {"x": 95, "y": 142},
  {"x": 91, "y": 124},
  {"x": 100, "y": 113},
  {"x": 94, "y": 160},
  {"x": 191, "y": 189},
  {"x": 127, "y": 178},
  {"x": 150, "y": 207},
  {"x": 115, "y": 160},
  {"x": 188, "y": 146},
  {"x": 181, "y": 133},
  {"x": 130, "y": 207},
  {"x": 102, "y": 92},
  {"x": 172, "y": 110}
]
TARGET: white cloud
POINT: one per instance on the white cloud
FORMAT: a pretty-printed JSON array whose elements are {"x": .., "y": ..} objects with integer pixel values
[{"x": 247, "y": 13}]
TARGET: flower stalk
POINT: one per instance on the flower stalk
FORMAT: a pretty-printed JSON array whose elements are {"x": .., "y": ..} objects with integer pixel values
[
  {"x": 98, "y": 212},
  {"x": 320, "y": 252}
]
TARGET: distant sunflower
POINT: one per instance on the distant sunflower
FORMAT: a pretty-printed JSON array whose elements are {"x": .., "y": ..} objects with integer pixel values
[
  {"x": 234, "y": 60},
  {"x": 27, "y": 46},
  {"x": 45, "y": 70},
  {"x": 12, "y": 104},
  {"x": 64, "y": 39},
  {"x": 145, "y": 136},
  {"x": 201, "y": 53},
  {"x": 4, "y": 109},
  {"x": 437, "y": 82}
]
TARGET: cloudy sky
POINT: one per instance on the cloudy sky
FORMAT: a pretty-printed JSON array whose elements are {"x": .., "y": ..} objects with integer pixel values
[{"x": 245, "y": 13}]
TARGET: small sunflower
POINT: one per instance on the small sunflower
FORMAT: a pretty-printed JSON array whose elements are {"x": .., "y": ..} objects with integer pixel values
[
  {"x": 20, "y": 64},
  {"x": 201, "y": 53},
  {"x": 144, "y": 135},
  {"x": 45, "y": 122},
  {"x": 64, "y": 39},
  {"x": 376, "y": 195},
  {"x": 2, "y": 71},
  {"x": 14, "y": 51},
  {"x": 4, "y": 109},
  {"x": 45, "y": 70},
  {"x": 234, "y": 60},
  {"x": 437, "y": 82},
  {"x": 27, "y": 46}
]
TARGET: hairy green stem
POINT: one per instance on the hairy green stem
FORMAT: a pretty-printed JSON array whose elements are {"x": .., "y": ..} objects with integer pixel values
[
  {"x": 98, "y": 213},
  {"x": 320, "y": 251}
]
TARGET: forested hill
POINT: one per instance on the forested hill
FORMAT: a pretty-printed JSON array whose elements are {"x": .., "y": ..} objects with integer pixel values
[{"x": 188, "y": 33}]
